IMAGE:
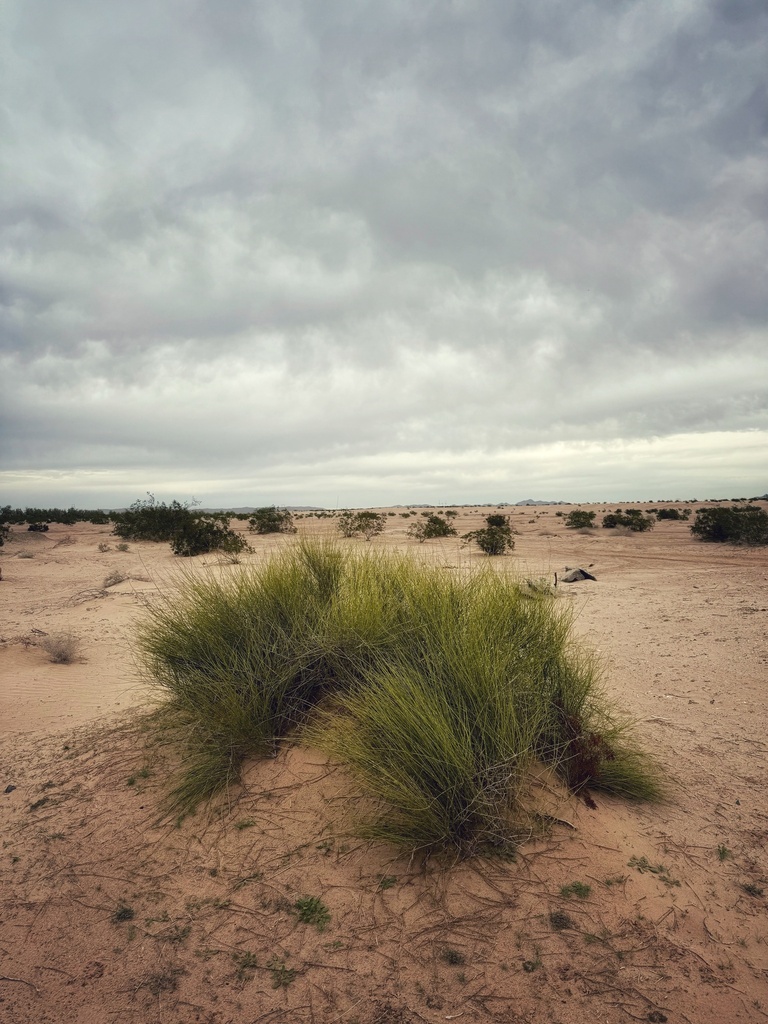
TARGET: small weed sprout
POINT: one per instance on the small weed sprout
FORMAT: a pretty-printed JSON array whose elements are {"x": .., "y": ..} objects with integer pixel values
[
  {"x": 61, "y": 648},
  {"x": 580, "y": 889},
  {"x": 123, "y": 913},
  {"x": 453, "y": 957},
  {"x": 104, "y": 547},
  {"x": 282, "y": 976},
  {"x": 753, "y": 890},
  {"x": 246, "y": 963},
  {"x": 122, "y": 546},
  {"x": 312, "y": 910},
  {"x": 561, "y": 921},
  {"x": 723, "y": 853}
]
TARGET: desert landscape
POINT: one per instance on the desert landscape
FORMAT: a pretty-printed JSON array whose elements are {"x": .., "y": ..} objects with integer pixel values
[{"x": 262, "y": 907}]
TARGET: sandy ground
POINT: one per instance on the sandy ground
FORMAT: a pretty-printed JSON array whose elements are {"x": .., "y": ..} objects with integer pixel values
[{"x": 110, "y": 913}]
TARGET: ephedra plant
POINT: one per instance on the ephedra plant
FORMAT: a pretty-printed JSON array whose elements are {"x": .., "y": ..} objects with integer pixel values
[{"x": 440, "y": 693}]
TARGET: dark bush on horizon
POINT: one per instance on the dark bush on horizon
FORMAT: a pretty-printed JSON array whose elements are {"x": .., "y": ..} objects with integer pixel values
[
  {"x": 673, "y": 513},
  {"x": 632, "y": 518},
  {"x": 580, "y": 518},
  {"x": 743, "y": 524},
  {"x": 70, "y": 516},
  {"x": 271, "y": 520}
]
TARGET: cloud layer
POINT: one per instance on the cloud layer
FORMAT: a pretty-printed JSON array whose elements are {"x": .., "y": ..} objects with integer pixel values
[{"x": 371, "y": 253}]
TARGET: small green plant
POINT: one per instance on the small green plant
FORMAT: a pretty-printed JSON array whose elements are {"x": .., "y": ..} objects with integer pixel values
[
  {"x": 753, "y": 890},
  {"x": 122, "y": 547},
  {"x": 561, "y": 921},
  {"x": 386, "y": 882},
  {"x": 123, "y": 913},
  {"x": 643, "y": 865},
  {"x": 244, "y": 823},
  {"x": 580, "y": 519},
  {"x": 580, "y": 889},
  {"x": 312, "y": 910},
  {"x": 452, "y": 956},
  {"x": 723, "y": 853},
  {"x": 282, "y": 976},
  {"x": 271, "y": 520},
  {"x": 246, "y": 963},
  {"x": 104, "y": 547}
]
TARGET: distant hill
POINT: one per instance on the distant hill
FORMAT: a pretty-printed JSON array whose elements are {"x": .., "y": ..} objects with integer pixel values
[{"x": 534, "y": 501}]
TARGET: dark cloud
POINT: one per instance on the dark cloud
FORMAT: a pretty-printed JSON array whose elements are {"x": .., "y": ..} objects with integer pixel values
[{"x": 247, "y": 235}]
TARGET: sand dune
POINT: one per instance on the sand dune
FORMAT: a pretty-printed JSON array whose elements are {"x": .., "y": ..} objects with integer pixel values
[{"x": 111, "y": 913}]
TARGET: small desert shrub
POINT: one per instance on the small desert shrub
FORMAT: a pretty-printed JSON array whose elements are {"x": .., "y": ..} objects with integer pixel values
[
  {"x": 361, "y": 524},
  {"x": 271, "y": 520},
  {"x": 103, "y": 547},
  {"x": 672, "y": 513},
  {"x": 439, "y": 693},
  {"x": 433, "y": 526},
  {"x": 632, "y": 518},
  {"x": 495, "y": 538},
  {"x": 61, "y": 648},
  {"x": 203, "y": 533},
  {"x": 113, "y": 578},
  {"x": 744, "y": 524},
  {"x": 580, "y": 518},
  {"x": 122, "y": 547},
  {"x": 150, "y": 519},
  {"x": 37, "y": 528}
]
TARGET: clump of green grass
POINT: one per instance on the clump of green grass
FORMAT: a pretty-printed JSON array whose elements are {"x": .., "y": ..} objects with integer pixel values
[
  {"x": 312, "y": 910},
  {"x": 439, "y": 692},
  {"x": 580, "y": 889}
]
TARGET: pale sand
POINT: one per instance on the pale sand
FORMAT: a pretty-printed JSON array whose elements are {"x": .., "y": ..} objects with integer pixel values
[{"x": 682, "y": 626}]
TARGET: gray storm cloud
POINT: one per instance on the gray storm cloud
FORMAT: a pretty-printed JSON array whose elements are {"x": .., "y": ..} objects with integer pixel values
[{"x": 265, "y": 248}]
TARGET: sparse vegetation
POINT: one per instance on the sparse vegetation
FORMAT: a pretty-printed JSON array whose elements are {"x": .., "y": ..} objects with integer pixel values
[
  {"x": 495, "y": 538},
  {"x": 434, "y": 526},
  {"x": 271, "y": 520},
  {"x": 439, "y": 692},
  {"x": 743, "y": 524},
  {"x": 673, "y": 513},
  {"x": 61, "y": 648},
  {"x": 312, "y": 910},
  {"x": 580, "y": 519},
  {"x": 361, "y": 524},
  {"x": 188, "y": 532},
  {"x": 632, "y": 519},
  {"x": 580, "y": 889}
]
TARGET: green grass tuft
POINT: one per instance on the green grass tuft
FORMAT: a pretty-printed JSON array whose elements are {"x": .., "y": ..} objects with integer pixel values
[{"x": 441, "y": 693}]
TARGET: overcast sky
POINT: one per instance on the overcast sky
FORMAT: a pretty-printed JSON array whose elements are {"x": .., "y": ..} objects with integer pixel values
[{"x": 340, "y": 252}]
